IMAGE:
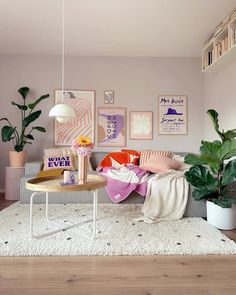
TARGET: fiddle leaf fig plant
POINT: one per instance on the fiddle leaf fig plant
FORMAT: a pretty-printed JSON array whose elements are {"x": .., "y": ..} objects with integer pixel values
[
  {"x": 212, "y": 171},
  {"x": 23, "y": 135}
]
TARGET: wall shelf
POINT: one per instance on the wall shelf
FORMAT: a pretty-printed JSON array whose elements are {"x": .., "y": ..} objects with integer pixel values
[
  {"x": 220, "y": 50},
  {"x": 224, "y": 60}
]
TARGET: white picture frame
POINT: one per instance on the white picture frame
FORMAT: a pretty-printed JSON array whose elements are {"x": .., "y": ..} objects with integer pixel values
[
  {"x": 172, "y": 115},
  {"x": 109, "y": 96},
  {"x": 141, "y": 125}
]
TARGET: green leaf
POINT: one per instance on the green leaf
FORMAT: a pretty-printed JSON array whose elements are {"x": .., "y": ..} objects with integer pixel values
[
  {"x": 227, "y": 150},
  {"x": 29, "y": 119},
  {"x": 232, "y": 200},
  {"x": 229, "y": 174},
  {"x": 212, "y": 160},
  {"x": 19, "y": 148},
  {"x": 210, "y": 147},
  {"x": 194, "y": 160},
  {"x": 29, "y": 136},
  {"x": 34, "y": 104},
  {"x": 20, "y": 106},
  {"x": 230, "y": 134},
  {"x": 214, "y": 117},
  {"x": 41, "y": 129},
  {"x": 7, "y": 132},
  {"x": 24, "y": 91},
  {"x": 206, "y": 159},
  {"x": 222, "y": 203},
  {"x": 201, "y": 193},
  {"x": 200, "y": 177}
]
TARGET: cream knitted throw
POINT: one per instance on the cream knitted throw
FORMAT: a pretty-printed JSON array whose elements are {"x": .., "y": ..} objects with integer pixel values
[{"x": 166, "y": 198}]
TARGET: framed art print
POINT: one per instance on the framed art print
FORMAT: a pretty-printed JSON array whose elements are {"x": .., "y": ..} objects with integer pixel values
[
  {"x": 172, "y": 114},
  {"x": 140, "y": 125},
  {"x": 83, "y": 102},
  {"x": 109, "y": 96},
  {"x": 111, "y": 127}
]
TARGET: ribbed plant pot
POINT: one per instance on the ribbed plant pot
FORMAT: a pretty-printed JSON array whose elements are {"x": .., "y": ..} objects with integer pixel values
[
  {"x": 17, "y": 159},
  {"x": 222, "y": 218}
]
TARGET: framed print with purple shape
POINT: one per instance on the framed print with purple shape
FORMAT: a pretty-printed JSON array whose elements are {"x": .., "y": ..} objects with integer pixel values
[
  {"x": 111, "y": 127},
  {"x": 83, "y": 102},
  {"x": 172, "y": 111}
]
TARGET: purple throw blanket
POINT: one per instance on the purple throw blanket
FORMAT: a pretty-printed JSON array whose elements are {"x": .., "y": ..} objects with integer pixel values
[{"x": 123, "y": 180}]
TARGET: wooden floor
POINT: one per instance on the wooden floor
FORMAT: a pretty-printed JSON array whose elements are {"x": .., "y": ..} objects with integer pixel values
[{"x": 139, "y": 275}]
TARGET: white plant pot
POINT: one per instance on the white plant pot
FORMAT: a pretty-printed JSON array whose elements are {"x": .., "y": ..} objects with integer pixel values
[{"x": 222, "y": 218}]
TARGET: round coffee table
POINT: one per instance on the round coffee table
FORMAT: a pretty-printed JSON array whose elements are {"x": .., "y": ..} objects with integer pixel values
[{"x": 54, "y": 184}]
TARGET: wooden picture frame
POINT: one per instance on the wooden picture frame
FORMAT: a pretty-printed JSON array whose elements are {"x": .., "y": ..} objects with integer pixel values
[
  {"x": 83, "y": 102},
  {"x": 141, "y": 125},
  {"x": 109, "y": 96},
  {"x": 111, "y": 124},
  {"x": 172, "y": 114}
]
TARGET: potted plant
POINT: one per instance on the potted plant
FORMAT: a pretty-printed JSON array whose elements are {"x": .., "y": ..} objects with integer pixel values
[
  {"x": 212, "y": 173},
  {"x": 22, "y": 135}
]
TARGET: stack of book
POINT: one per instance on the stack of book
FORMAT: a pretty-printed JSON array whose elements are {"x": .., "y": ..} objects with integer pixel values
[
  {"x": 207, "y": 59},
  {"x": 221, "y": 47},
  {"x": 222, "y": 39}
]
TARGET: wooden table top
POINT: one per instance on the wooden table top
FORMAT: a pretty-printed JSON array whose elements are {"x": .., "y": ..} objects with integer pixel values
[{"x": 53, "y": 184}]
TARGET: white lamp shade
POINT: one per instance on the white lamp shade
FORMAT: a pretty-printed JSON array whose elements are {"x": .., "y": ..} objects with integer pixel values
[{"x": 62, "y": 112}]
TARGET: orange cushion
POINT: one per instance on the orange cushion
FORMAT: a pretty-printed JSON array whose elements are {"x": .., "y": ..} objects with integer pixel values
[
  {"x": 134, "y": 156},
  {"x": 115, "y": 159}
]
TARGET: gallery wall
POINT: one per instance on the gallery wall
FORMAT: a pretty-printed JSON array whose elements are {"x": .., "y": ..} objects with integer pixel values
[
  {"x": 220, "y": 94},
  {"x": 137, "y": 82}
]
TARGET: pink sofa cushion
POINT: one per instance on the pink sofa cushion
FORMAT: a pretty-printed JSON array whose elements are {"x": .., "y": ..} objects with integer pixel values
[{"x": 158, "y": 164}]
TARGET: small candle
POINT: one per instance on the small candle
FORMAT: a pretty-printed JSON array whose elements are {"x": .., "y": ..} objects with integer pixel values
[{"x": 66, "y": 176}]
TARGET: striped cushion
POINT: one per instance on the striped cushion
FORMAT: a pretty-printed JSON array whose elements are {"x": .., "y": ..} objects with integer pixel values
[{"x": 146, "y": 154}]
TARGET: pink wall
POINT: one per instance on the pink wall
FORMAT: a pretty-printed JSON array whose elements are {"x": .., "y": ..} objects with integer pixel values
[
  {"x": 137, "y": 83},
  {"x": 220, "y": 94}
]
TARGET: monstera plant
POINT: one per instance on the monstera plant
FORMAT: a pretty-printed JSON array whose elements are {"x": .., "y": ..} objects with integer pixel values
[
  {"x": 22, "y": 136},
  {"x": 214, "y": 169}
]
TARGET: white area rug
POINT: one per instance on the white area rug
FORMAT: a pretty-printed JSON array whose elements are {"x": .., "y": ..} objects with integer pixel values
[{"x": 117, "y": 233}]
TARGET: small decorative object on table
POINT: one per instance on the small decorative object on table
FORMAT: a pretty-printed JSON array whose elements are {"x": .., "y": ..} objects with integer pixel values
[
  {"x": 83, "y": 146},
  {"x": 69, "y": 177}
]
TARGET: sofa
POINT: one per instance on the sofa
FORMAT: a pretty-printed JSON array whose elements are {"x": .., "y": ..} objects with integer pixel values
[{"x": 193, "y": 208}]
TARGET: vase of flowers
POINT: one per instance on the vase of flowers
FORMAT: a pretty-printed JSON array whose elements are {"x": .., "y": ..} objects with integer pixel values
[{"x": 83, "y": 146}]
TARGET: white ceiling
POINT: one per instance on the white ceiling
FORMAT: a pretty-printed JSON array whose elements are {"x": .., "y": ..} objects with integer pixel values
[{"x": 176, "y": 28}]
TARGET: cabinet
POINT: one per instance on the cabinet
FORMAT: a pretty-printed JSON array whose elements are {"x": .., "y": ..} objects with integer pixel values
[
  {"x": 220, "y": 50},
  {"x": 12, "y": 182}
]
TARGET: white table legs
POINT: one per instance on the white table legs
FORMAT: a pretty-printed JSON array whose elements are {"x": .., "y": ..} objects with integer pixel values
[{"x": 71, "y": 226}]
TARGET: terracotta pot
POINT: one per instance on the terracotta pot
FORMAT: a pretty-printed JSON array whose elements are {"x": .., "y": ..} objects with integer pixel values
[{"x": 17, "y": 159}]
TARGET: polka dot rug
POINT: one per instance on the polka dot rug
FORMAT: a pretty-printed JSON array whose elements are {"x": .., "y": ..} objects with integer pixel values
[{"x": 117, "y": 233}]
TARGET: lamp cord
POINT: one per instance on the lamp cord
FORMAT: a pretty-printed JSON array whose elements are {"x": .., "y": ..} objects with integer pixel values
[{"x": 63, "y": 50}]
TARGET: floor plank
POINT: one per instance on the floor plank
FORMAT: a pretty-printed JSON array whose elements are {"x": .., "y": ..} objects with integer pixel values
[
  {"x": 5, "y": 203},
  {"x": 119, "y": 275}
]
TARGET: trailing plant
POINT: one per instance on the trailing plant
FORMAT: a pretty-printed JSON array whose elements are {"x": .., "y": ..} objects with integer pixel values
[
  {"x": 22, "y": 136},
  {"x": 212, "y": 170}
]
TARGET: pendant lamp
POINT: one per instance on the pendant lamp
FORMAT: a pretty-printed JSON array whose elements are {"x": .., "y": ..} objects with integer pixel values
[{"x": 62, "y": 112}]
